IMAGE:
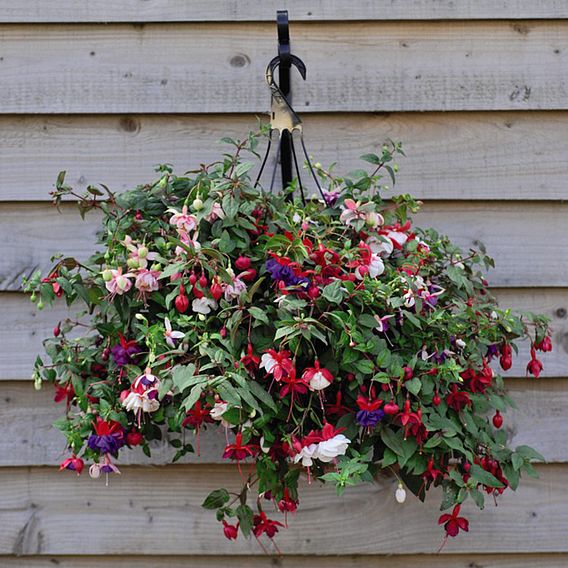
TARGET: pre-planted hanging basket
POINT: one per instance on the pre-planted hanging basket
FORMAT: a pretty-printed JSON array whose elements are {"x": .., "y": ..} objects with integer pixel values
[{"x": 330, "y": 339}]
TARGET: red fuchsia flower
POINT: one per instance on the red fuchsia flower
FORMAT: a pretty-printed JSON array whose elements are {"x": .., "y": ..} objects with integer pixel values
[
  {"x": 125, "y": 352},
  {"x": 263, "y": 525},
  {"x": 458, "y": 399},
  {"x": 317, "y": 377},
  {"x": 453, "y": 523},
  {"x": 494, "y": 468},
  {"x": 134, "y": 438},
  {"x": 391, "y": 408},
  {"x": 287, "y": 504},
  {"x": 248, "y": 275},
  {"x": 478, "y": 381},
  {"x": 250, "y": 361},
  {"x": 216, "y": 290},
  {"x": 398, "y": 234},
  {"x": 411, "y": 421},
  {"x": 323, "y": 256},
  {"x": 230, "y": 531},
  {"x": 336, "y": 409},
  {"x": 108, "y": 437},
  {"x": 239, "y": 451},
  {"x": 506, "y": 359},
  {"x": 181, "y": 302},
  {"x": 369, "y": 414},
  {"x": 324, "y": 446},
  {"x": 197, "y": 416},
  {"x": 277, "y": 363},
  {"x": 368, "y": 263},
  {"x": 242, "y": 263},
  {"x": 534, "y": 366},
  {"x": 73, "y": 464},
  {"x": 544, "y": 345},
  {"x": 63, "y": 392},
  {"x": 431, "y": 474}
]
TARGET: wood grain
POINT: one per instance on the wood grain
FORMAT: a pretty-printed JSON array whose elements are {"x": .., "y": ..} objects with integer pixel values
[
  {"x": 460, "y": 156},
  {"x": 28, "y": 438},
  {"x": 33, "y": 11},
  {"x": 289, "y": 561},
  {"x": 154, "y": 511},
  {"x": 529, "y": 242},
  {"x": 204, "y": 68}
]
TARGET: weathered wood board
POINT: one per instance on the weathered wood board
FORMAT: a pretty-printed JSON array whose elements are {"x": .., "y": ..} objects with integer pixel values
[
  {"x": 33, "y": 11},
  {"x": 159, "y": 512},
  {"x": 288, "y": 561},
  {"x": 28, "y": 438},
  {"x": 205, "y": 68},
  {"x": 459, "y": 156}
]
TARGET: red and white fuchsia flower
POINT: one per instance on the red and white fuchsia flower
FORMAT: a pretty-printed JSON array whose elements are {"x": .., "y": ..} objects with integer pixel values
[{"x": 329, "y": 339}]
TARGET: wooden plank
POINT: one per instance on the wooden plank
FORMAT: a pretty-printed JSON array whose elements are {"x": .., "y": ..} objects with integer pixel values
[
  {"x": 154, "y": 511},
  {"x": 289, "y": 561},
  {"x": 476, "y": 156},
  {"x": 529, "y": 242},
  {"x": 28, "y": 439},
  {"x": 200, "y": 68},
  {"x": 36, "y": 11}
]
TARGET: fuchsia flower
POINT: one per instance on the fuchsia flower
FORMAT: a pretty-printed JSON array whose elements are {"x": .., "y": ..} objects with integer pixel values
[
  {"x": 324, "y": 446},
  {"x": 317, "y": 377},
  {"x": 453, "y": 523},
  {"x": 544, "y": 345},
  {"x": 458, "y": 399},
  {"x": 250, "y": 360},
  {"x": 535, "y": 365},
  {"x": 263, "y": 525},
  {"x": 215, "y": 213},
  {"x": 382, "y": 323},
  {"x": 73, "y": 464},
  {"x": 203, "y": 305},
  {"x": 171, "y": 335},
  {"x": 118, "y": 283},
  {"x": 184, "y": 221},
  {"x": 147, "y": 282},
  {"x": 108, "y": 437},
  {"x": 277, "y": 363},
  {"x": 235, "y": 289},
  {"x": 239, "y": 451},
  {"x": 230, "y": 531},
  {"x": 143, "y": 394}
]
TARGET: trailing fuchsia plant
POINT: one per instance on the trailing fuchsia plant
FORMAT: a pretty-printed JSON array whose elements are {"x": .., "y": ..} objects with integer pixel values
[{"x": 331, "y": 339}]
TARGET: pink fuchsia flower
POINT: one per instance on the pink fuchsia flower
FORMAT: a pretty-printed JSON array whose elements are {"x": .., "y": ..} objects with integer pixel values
[
  {"x": 73, "y": 464},
  {"x": 192, "y": 243},
  {"x": 453, "y": 523},
  {"x": 215, "y": 213},
  {"x": 138, "y": 254},
  {"x": 117, "y": 283},
  {"x": 277, "y": 363},
  {"x": 317, "y": 377},
  {"x": 147, "y": 282},
  {"x": 351, "y": 212},
  {"x": 380, "y": 245},
  {"x": 235, "y": 289},
  {"x": 184, "y": 221},
  {"x": 203, "y": 305},
  {"x": 171, "y": 335}
]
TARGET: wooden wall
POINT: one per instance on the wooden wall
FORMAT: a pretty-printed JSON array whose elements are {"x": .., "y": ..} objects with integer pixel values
[{"x": 478, "y": 92}]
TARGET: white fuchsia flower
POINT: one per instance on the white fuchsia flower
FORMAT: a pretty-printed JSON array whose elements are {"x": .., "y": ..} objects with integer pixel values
[
  {"x": 328, "y": 450},
  {"x": 383, "y": 322},
  {"x": 219, "y": 408},
  {"x": 235, "y": 289},
  {"x": 140, "y": 402},
  {"x": 203, "y": 305},
  {"x": 119, "y": 283},
  {"x": 170, "y": 334},
  {"x": 376, "y": 266},
  {"x": 400, "y": 494},
  {"x": 352, "y": 212},
  {"x": 380, "y": 245},
  {"x": 307, "y": 454},
  {"x": 317, "y": 378},
  {"x": 183, "y": 221},
  {"x": 374, "y": 219}
]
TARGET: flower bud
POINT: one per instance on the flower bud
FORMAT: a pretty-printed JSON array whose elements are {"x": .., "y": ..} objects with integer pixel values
[
  {"x": 143, "y": 252},
  {"x": 181, "y": 303},
  {"x": 197, "y": 204},
  {"x": 107, "y": 275},
  {"x": 242, "y": 263},
  {"x": 497, "y": 419},
  {"x": 400, "y": 494}
]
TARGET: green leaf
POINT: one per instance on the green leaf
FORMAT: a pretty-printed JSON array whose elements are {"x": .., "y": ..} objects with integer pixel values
[
  {"x": 245, "y": 516},
  {"x": 413, "y": 385},
  {"x": 371, "y": 158},
  {"x": 389, "y": 457},
  {"x": 333, "y": 293},
  {"x": 216, "y": 499},
  {"x": 484, "y": 477},
  {"x": 259, "y": 314},
  {"x": 529, "y": 453},
  {"x": 193, "y": 397},
  {"x": 262, "y": 395},
  {"x": 184, "y": 377},
  {"x": 477, "y": 497}
]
